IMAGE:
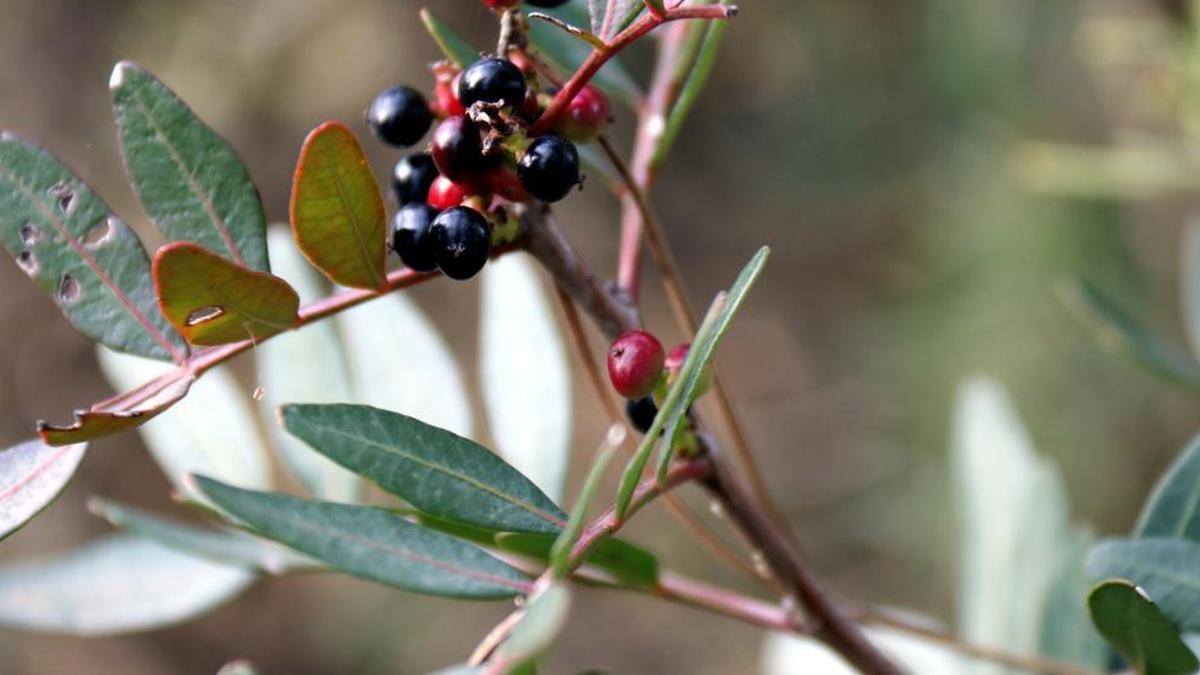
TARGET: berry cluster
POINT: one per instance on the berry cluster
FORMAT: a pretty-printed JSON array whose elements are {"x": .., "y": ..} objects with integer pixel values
[
  {"x": 640, "y": 371},
  {"x": 456, "y": 200}
]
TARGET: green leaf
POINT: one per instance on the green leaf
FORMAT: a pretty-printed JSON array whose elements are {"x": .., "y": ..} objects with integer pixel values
[
  {"x": 436, "y": 471},
  {"x": 371, "y": 543},
  {"x": 69, "y": 242},
  {"x": 610, "y": 17},
  {"x": 1120, "y": 172},
  {"x": 1132, "y": 623},
  {"x": 1067, "y": 632},
  {"x": 568, "y": 53},
  {"x": 32, "y": 475},
  {"x": 693, "y": 85},
  {"x": 1117, "y": 332},
  {"x": 459, "y": 51},
  {"x": 1173, "y": 508},
  {"x": 227, "y": 546},
  {"x": 115, "y": 584},
  {"x": 324, "y": 378},
  {"x": 1168, "y": 569},
  {"x": 189, "y": 180},
  {"x": 185, "y": 438},
  {"x": 526, "y": 388},
  {"x": 626, "y": 562},
  {"x": 544, "y": 618},
  {"x": 337, "y": 213},
  {"x": 211, "y": 301},
  {"x": 1189, "y": 284},
  {"x": 560, "y": 554},
  {"x": 460, "y": 669},
  {"x": 108, "y": 419}
]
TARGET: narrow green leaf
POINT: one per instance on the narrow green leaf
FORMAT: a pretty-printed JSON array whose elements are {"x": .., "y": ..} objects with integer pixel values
[
  {"x": 693, "y": 85},
  {"x": 371, "y": 543},
  {"x": 526, "y": 390},
  {"x": 191, "y": 183},
  {"x": 460, "y": 669},
  {"x": 560, "y": 554},
  {"x": 1173, "y": 508},
  {"x": 1129, "y": 619},
  {"x": 337, "y": 213},
  {"x": 568, "y": 53},
  {"x": 211, "y": 301},
  {"x": 1117, "y": 332},
  {"x": 544, "y": 618},
  {"x": 436, "y": 471},
  {"x": 115, "y": 584},
  {"x": 1168, "y": 569},
  {"x": 459, "y": 51},
  {"x": 32, "y": 475},
  {"x": 71, "y": 245}
]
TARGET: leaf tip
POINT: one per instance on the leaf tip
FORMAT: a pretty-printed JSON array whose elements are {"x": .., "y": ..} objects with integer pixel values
[{"x": 117, "y": 79}]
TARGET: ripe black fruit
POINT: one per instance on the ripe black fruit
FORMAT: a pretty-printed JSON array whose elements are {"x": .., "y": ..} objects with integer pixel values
[
  {"x": 641, "y": 413},
  {"x": 457, "y": 149},
  {"x": 549, "y": 168},
  {"x": 412, "y": 177},
  {"x": 463, "y": 242},
  {"x": 492, "y": 80},
  {"x": 547, "y": 3},
  {"x": 399, "y": 116},
  {"x": 412, "y": 238}
]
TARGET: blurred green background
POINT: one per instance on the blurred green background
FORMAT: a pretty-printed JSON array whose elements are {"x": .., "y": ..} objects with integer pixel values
[{"x": 873, "y": 144}]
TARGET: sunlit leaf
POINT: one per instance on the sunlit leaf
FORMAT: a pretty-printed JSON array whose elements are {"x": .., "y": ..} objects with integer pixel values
[
  {"x": 1128, "y": 618},
  {"x": 211, "y": 301},
  {"x": 1168, "y": 569},
  {"x": 32, "y": 474},
  {"x": 110, "y": 418}
]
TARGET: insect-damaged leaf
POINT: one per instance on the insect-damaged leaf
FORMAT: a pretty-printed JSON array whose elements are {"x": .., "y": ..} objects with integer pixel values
[
  {"x": 337, "y": 213},
  {"x": 188, "y": 179},
  {"x": 105, "y": 419},
  {"x": 69, "y": 242},
  {"x": 32, "y": 474},
  {"x": 212, "y": 301}
]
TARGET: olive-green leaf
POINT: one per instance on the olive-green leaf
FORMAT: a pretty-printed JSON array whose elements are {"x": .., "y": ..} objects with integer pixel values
[
  {"x": 1129, "y": 619},
  {"x": 1173, "y": 508},
  {"x": 337, "y": 214},
  {"x": 626, "y": 562},
  {"x": 68, "y": 241},
  {"x": 459, "y": 51},
  {"x": 568, "y": 53},
  {"x": 32, "y": 474},
  {"x": 438, "y": 472},
  {"x": 189, "y": 180},
  {"x": 1168, "y": 569},
  {"x": 371, "y": 543}
]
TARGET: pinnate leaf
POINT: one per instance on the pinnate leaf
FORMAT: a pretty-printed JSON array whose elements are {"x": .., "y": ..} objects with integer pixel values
[
  {"x": 32, "y": 474},
  {"x": 1129, "y": 619},
  {"x": 439, "y": 473},
  {"x": 212, "y": 301},
  {"x": 69, "y": 242},
  {"x": 371, "y": 543},
  {"x": 189, "y": 180},
  {"x": 337, "y": 214}
]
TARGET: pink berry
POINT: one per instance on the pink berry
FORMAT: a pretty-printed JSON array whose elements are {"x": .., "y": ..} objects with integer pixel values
[
  {"x": 635, "y": 362},
  {"x": 445, "y": 193}
]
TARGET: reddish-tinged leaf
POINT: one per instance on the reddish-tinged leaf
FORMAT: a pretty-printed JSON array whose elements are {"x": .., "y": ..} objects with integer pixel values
[
  {"x": 103, "y": 421},
  {"x": 212, "y": 301},
  {"x": 337, "y": 214}
]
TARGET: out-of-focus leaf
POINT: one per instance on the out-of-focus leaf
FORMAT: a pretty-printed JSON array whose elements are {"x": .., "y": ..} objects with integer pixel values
[
  {"x": 788, "y": 655},
  {"x": 32, "y": 474},
  {"x": 108, "y": 419},
  {"x": 436, "y": 471},
  {"x": 337, "y": 214},
  {"x": 116, "y": 584},
  {"x": 212, "y": 301},
  {"x": 224, "y": 545},
  {"x": 324, "y": 377},
  {"x": 1067, "y": 632},
  {"x": 693, "y": 85},
  {"x": 543, "y": 620},
  {"x": 460, "y": 669},
  {"x": 1168, "y": 570},
  {"x": 371, "y": 543},
  {"x": 628, "y": 563},
  {"x": 239, "y": 667},
  {"x": 212, "y": 431},
  {"x": 1189, "y": 283},
  {"x": 1129, "y": 172},
  {"x": 1173, "y": 508},
  {"x": 525, "y": 374},
  {"x": 68, "y": 241},
  {"x": 1128, "y": 618},
  {"x": 458, "y": 50},
  {"x": 1014, "y": 523},
  {"x": 568, "y": 53},
  {"x": 191, "y": 183},
  {"x": 609, "y": 17},
  {"x": 560, "y": 554},
  {"x": 399, "y": 361}
]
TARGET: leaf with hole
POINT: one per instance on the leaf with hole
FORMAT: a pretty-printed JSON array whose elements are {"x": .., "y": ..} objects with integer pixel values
[
  {"x": 32, "y": 475},
  {"x": 68, "y": 241},
  {"x": 438, "y": 472},
  {"x": 1173, "y": 508},
  {"x": 115, "y": 584},
  {"x": 1129, "y": 619},
  {"x": 337, "y": 214},
  {"x": 188, "y": 179},
  {"x": 371, "y": 543},
  {"x": 1168, "y": 569},
  {"x": 459, "y": 51},
  {"x": 212, "y": 301},
  {"x": 107, "y": 418}
]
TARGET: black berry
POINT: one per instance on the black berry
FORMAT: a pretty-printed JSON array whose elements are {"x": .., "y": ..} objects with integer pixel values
[
  {"x": 399, "y": 116},
  {"x": 457, "y": 149},
  {"x": 412, "y": 177},
  {"x": 412, "y": 239},
  {"x": 547, "y": 3},
  {"x": 641, "y": 413},
  {"x": 549, "y": 168},
  {"x": 463, "y": 242},
  {"x": 492, "y": 80}
]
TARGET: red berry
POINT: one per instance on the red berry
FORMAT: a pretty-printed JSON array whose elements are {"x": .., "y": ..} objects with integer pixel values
[
  {"x": 457, "y": 148},
  {"x": 635, "y": 360},
  {"x": 503, "y": 181},
  {"x": 446, "y": 99},
  {"x": 445, "y": 193},
  {"x": 501, "y": 4},
  {"x": 586, "y": 115}
]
